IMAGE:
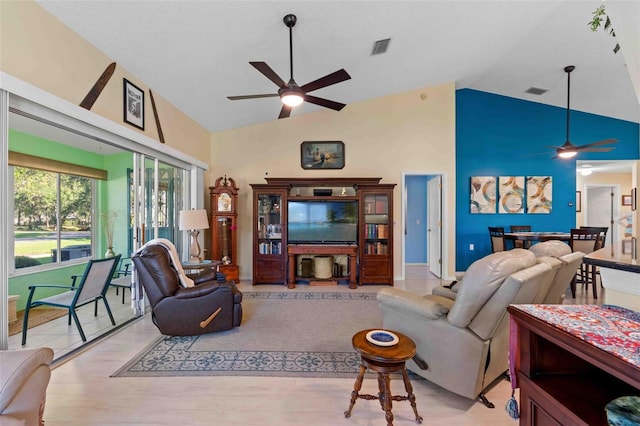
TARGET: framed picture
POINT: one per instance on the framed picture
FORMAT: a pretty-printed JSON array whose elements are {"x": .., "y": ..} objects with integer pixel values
[
  {"x": 539, "y": 194},
  {"x": 578, "y": 201},
  {"x": 626, "y": 200},
  {"x": 133, "y": 104},
  {"x": 511, "y": 194},
  {"x": 322, "y": 155},
  {"x": 483, "y": 194}
]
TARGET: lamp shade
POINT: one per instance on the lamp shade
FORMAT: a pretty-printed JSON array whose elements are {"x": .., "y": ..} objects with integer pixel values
[{"x": 193, "y": 219}]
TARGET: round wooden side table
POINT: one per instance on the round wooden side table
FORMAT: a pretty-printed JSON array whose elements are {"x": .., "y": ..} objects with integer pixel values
[{"x": 384, "y": 360}]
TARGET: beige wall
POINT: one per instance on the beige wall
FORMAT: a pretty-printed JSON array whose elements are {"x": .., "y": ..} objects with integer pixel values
[
  {"x": 383, "y": 138},
  {"x": 39, "y": 49}
]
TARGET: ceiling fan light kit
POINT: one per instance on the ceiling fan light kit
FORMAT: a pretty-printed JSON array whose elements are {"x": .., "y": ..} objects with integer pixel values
[
  {"x": 567, "y": 153},
  {"x": 291, "y": 94},
  {"x": 569, "y": 150}
]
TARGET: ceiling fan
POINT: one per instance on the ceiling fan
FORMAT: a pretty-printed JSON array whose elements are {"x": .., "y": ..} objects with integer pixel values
[
  {"x": 290, "y": 93},
  {"x": 569, "y": 150}
]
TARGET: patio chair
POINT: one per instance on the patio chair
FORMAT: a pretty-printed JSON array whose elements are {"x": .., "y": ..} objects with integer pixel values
[
  {"x": 122, "y": 270},
  {"x": 92, "y": 287}
]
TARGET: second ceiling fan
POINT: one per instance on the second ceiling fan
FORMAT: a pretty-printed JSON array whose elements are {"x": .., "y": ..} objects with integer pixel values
[
  {"x": 290, "y": 93},
  {"x": 569, "y": 150}
]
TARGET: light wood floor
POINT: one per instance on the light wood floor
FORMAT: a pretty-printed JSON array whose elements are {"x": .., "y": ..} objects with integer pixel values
[{"x": 82, "y": 393}]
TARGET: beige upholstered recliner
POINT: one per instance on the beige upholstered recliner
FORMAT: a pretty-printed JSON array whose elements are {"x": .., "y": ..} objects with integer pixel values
[
  {"x": 461, "y": 343},
  {"x": 24, "y": 376},
  {"x": 556, "y": 252}
]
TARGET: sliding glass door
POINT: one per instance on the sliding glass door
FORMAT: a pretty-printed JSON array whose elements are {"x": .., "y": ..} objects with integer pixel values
[{"x": 138, "y": 188}]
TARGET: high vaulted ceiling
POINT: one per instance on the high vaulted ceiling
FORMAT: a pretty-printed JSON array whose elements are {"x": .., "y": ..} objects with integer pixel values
[{"x": 196, "y": 53}]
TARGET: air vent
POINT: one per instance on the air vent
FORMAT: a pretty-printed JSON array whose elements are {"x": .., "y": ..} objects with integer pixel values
[
  {"x": 536, "y": 90},
  {"x": 380, "y": 46}
]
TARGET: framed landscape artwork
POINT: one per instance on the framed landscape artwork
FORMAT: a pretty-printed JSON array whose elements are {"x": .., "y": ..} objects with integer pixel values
[
  {"x": 322, "y": 155},
  {"x": 133, "y": 104}
]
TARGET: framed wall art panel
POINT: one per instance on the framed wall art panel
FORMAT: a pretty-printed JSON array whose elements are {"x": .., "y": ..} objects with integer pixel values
[
  {"x": 539, "y": 194},
  {"x": 511, "y": 194},
  {"x": 483, "y": 194}
]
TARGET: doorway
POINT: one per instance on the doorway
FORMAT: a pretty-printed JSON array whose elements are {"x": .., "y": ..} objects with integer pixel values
[
  {"x": 601, "y": 207},
  {"x": 422, "y": 223}
]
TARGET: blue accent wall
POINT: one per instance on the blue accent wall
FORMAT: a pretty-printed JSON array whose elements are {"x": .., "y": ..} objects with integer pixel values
[
  {"x": 502, "y": 136},
  {"x": 416, "y": 239}
]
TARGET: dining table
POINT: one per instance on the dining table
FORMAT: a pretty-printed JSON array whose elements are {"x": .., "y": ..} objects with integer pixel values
[{"x": 537, "y": 236}]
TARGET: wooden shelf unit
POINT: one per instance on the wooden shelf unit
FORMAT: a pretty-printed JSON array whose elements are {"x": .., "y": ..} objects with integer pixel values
[
  {"x": 370, "y": 261},
  {"x": 565, "y": 380}
]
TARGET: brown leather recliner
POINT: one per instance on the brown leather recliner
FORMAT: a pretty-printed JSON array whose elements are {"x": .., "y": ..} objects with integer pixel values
[{"x": 179, "y": 311}]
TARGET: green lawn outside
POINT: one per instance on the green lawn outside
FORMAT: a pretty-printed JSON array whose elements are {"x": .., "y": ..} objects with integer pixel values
[{"x": 39, "y": 247}]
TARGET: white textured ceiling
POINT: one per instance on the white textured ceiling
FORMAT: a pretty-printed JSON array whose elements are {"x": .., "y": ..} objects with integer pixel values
[{"x": 195, "y": 53}]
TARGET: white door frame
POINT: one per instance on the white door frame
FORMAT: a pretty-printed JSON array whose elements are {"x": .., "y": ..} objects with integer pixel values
[
  {"x": 445, "y": 224},
  {"x": 434, "y": 225}
]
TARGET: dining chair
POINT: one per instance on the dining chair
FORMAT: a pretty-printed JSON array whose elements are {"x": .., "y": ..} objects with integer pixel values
[
  {"x": 521, "y": 228},
  {"x": 92, "y": 287},
  {"x": 603, "y": 240},
  {"x": 497, "y": 239},
  {"x": 585, "y": 240}
]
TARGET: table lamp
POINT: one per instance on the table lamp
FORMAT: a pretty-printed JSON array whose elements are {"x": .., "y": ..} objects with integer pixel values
[{"x": 193, "y": 221}]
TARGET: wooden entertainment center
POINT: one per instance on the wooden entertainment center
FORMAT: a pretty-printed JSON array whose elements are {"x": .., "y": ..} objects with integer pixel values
[{"x": 368, "y": 234}]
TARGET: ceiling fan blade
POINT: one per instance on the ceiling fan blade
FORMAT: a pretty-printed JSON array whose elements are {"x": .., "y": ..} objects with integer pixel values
[
  {"x": 327, "y": 80},
  {"x": 285, "y": 111},
  {"x": 269, "y": 73},
  {"x": 324, "y": 102},
  {"x": 236, "y": 98},
  {"x": 605, "y": 149},
  {"x": 603, "y": 142}
]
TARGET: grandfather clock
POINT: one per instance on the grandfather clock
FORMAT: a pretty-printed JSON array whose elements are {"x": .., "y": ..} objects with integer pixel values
[{"x": 224, "y": 223}]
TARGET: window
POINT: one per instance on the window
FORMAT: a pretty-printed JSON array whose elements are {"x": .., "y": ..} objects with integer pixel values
[{"x": 52, "y": 217}]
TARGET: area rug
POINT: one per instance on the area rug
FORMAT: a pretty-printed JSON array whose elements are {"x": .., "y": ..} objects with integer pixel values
[
  {"x": 294, "y": 333},
  {"x": 37, "y": 316}
]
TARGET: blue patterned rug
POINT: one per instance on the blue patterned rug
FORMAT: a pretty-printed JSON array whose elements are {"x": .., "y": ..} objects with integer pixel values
[{"x": 293, "y": 333}]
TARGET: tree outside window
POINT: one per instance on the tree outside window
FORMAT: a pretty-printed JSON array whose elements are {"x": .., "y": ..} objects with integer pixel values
[{"x": 52, "y": 217}]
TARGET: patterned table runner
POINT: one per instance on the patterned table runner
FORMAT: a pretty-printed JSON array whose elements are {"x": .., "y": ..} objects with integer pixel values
[{"x": 613, "y": 329}]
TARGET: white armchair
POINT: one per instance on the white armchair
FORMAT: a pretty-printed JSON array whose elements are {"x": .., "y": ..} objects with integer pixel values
[{"x": 24, "y": 376}]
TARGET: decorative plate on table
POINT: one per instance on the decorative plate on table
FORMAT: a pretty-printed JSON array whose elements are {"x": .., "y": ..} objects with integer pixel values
[{"x": 382, "y": 338}]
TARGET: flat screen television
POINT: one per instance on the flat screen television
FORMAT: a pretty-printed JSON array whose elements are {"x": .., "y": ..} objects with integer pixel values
[{"x": 322, "y": 222}]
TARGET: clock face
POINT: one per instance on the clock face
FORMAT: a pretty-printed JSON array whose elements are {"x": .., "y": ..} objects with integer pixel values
[{"x": 224, "y": 202}]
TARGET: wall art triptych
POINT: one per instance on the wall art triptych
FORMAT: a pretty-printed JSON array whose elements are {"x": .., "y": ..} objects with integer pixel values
[{"x": 511, "y": 194}]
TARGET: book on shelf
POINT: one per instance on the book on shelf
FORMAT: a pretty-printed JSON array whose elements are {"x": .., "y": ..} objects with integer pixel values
[
  {"x": 373, "y": 231},
  {"x": 376, "y": 248},
  {"x": 270, "y": 248}
]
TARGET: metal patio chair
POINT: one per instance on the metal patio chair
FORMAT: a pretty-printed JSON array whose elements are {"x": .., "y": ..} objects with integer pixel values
[{"x": 92, "y": 287}]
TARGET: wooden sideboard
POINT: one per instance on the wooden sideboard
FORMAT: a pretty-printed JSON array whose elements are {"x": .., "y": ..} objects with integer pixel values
[{"x": 563, "y": 379}]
